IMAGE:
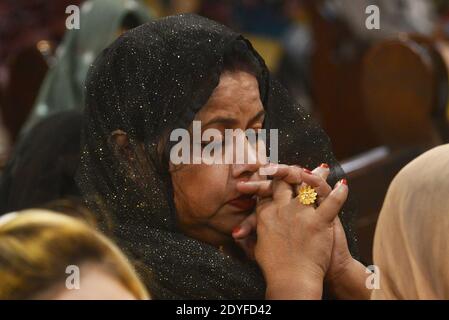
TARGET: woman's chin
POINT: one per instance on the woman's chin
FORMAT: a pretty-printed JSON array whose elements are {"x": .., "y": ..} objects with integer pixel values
[
  {"x": 233, "y": 220},
  {"x": 236, "y": 211}
]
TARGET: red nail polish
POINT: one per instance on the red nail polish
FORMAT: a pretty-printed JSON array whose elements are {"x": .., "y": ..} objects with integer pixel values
[
  {"x": 344, "y": 181},
  {"x": 236, "y": 229},
  {"x": 324, "y": 165},
  {"x": 307, "y": 171}
]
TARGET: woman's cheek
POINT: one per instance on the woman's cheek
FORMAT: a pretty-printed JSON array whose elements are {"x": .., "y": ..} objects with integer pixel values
[
  {"x": 210, "y": 186},
  {"x": 203, "y": 188}
]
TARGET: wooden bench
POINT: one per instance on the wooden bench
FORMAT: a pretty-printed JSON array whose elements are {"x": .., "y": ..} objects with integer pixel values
[{"x": 404, "y": 87}]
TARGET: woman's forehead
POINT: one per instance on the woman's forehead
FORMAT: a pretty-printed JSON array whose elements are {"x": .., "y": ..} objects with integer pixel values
[{"x": 237, "y": 95}]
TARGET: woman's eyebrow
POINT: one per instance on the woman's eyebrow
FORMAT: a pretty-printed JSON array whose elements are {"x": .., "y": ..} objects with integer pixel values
[
  {"x": 227, "y": 121},
  {"x": 259, "y": 115}
]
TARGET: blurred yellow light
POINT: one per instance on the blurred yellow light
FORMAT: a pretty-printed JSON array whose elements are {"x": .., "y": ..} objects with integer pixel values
[{"x": 43, "y": 46}]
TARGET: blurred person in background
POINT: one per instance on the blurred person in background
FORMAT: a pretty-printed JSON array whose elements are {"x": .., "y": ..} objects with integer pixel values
[
  {"x": 101, "y": 22},
  {"x": 411, "y": 239},
  {"x": 43, "y": 165},
  {"x": 39, "y": 250}
]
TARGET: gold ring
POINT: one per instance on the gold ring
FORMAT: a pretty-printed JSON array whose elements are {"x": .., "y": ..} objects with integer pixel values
[{"x": 307, "y": 195}]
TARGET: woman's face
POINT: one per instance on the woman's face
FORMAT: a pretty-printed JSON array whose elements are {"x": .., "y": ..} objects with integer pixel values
[
  {"x": 96, "y": 283},
  {"x": 208, "y": 204}
]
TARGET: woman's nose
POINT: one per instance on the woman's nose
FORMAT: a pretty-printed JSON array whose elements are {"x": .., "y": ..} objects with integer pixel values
[{"x": 254, "y": 158}]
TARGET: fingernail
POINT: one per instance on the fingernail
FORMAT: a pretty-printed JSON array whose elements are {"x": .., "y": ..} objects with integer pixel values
[
  {"x": 236, "y": 230},
  {"x": 307, "y": 171},
  {"x": 344, "y": 181},
  {"x": 324, "y": 165}
]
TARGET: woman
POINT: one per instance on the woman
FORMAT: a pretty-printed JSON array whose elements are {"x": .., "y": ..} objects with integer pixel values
[
  {"x": 43, "y": 165},
  {"x": 178, "y": 219},
  {"x": 62, "y": 88},
  {"x": 410, "y": 244},
  {"x": 44, "y": 255}
]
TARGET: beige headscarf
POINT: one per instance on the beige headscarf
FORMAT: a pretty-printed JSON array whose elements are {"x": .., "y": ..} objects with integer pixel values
[{"x": 411, "y": 244}]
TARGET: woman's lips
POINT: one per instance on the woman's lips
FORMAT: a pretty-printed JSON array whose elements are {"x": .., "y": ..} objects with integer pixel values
[{"x": 243, "y": 203}]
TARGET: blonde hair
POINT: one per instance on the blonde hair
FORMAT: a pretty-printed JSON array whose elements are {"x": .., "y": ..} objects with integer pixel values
[{"x": 36, "y": 246}]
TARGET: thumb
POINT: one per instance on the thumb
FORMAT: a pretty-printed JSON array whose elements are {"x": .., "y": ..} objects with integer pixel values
[
  {"x": 332, "y": 205},
  {"x": 245, "y": 228}
]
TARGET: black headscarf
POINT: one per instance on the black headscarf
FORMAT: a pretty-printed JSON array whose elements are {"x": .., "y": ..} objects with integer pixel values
[
  {"x": 151, "y": 80},
  {"x": 43, "y": 165}
]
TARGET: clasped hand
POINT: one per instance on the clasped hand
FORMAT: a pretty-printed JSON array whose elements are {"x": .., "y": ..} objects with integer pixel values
[{"x": 297, "y": 246}]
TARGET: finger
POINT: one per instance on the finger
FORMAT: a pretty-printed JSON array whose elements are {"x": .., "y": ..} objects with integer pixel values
[
  {"x": 339, "y": 233},
  {"x": 332, "y": 205},
  {"x": 322, "y": 171},
  {"x": 265, "y": 206},
  {"x": 320, "y": 185},
  {"x": 282, "y": 192},
  {"x": 290, "y": 174},
  {"x": 248, "y": 244},
  {"x": 297, "y": 206},
  {"x": 246, "y": 227},
  {"x": 260, "y": 188},
  {"x": 263, "y": 203}
]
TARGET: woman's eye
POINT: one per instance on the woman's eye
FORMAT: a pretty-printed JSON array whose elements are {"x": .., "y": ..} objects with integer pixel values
[
  {"x": 213, "y": 143},
  {"x": 254, "y": 136}
]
